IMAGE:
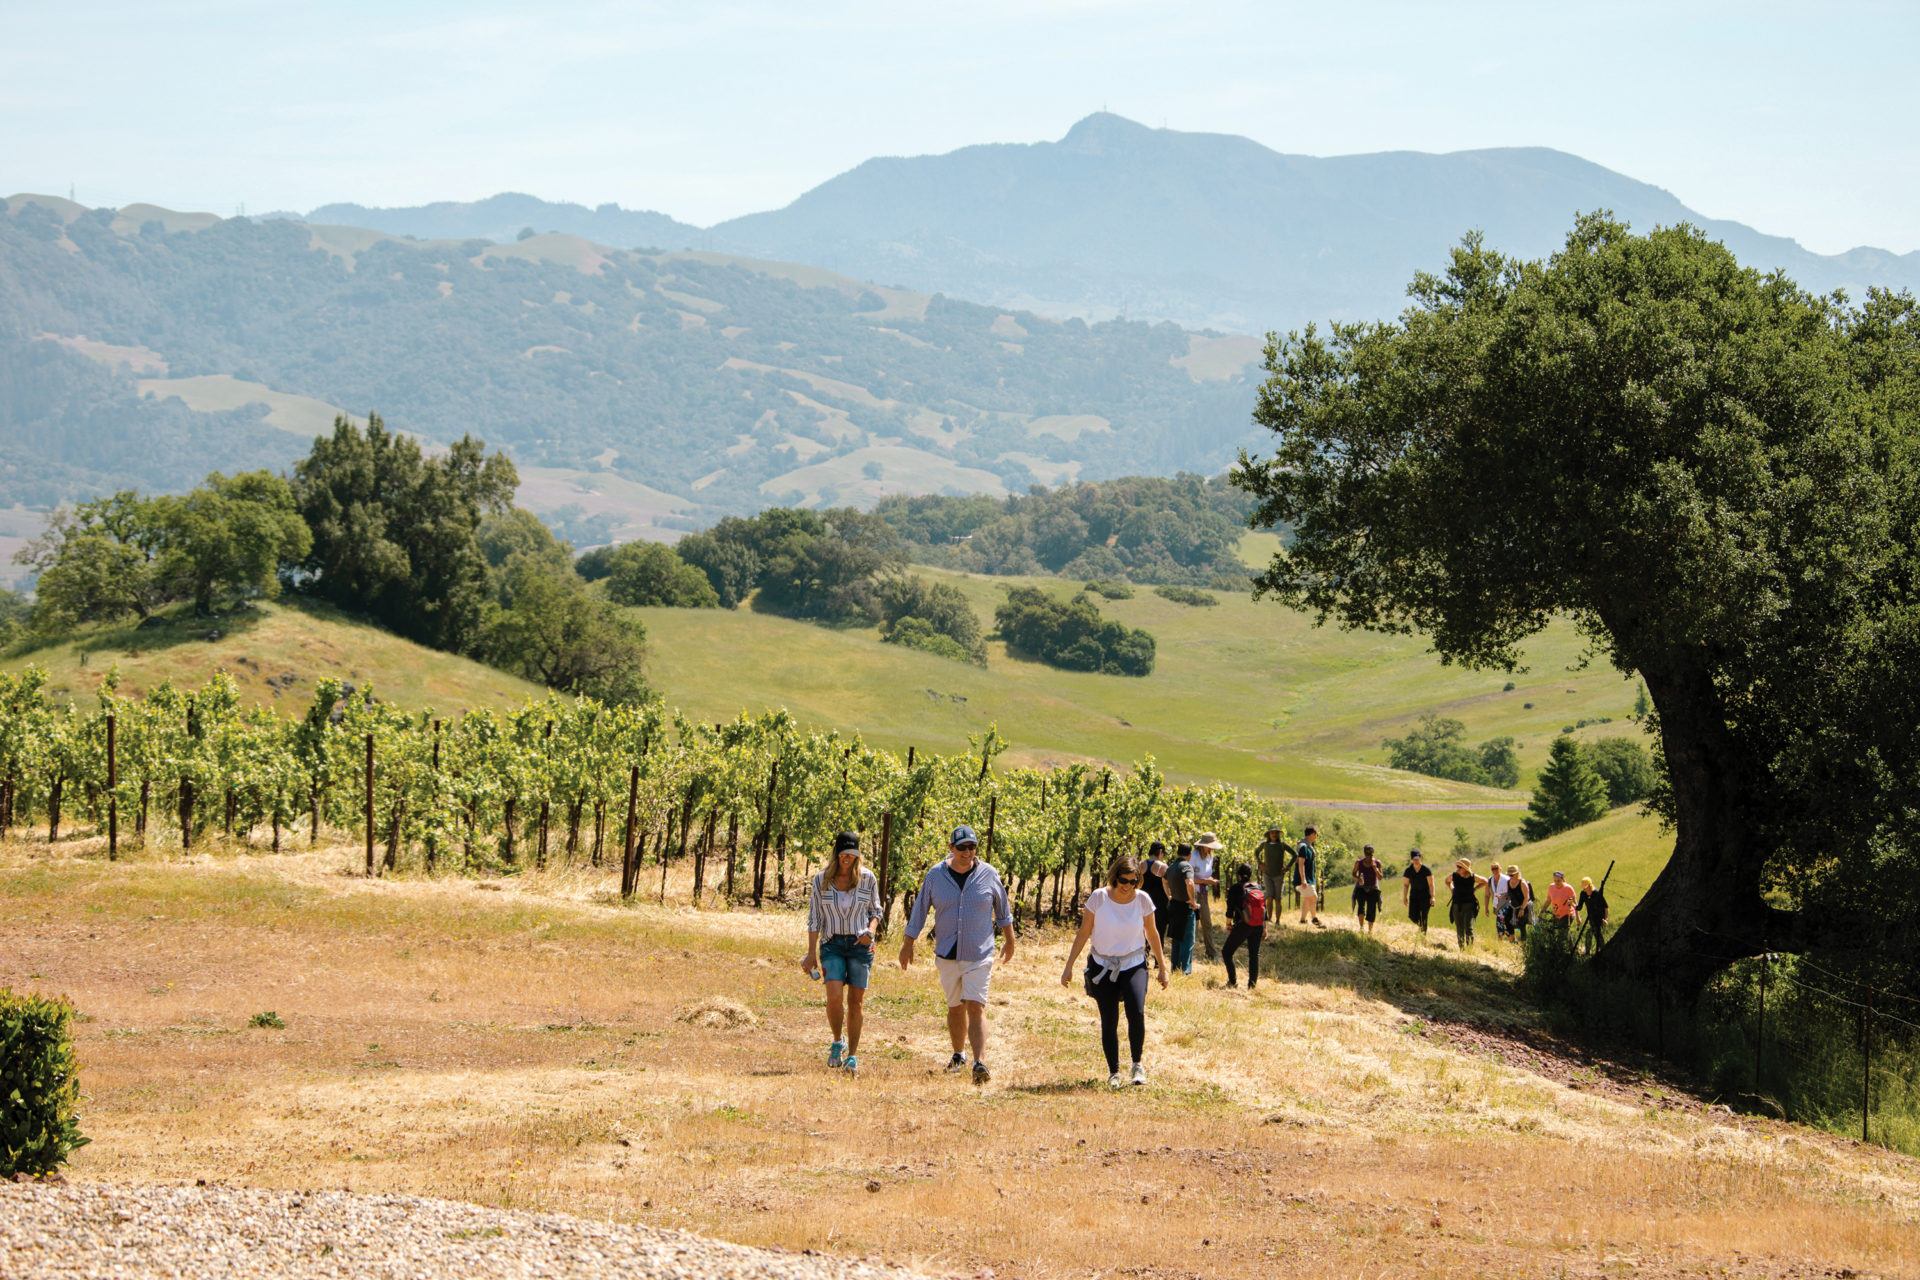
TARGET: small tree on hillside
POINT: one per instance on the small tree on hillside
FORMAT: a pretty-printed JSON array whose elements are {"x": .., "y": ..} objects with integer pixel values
[{"x": 1568, "y": 794}]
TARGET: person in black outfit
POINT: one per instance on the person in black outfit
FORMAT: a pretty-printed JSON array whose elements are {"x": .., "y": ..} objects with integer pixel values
[
  {"x": 1416, "y": 890},
  {"x": 1464, "y": 890},
  {"x": 1241, "y": 930},
  {"x": 1593, "y": 903},
  {"x": 1155, "y": 887}
]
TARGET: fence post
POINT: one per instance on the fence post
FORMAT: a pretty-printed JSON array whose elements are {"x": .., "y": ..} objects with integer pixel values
[
  {"x": 113, "y": 798},
  {"x": 1866, "y": 1067},
  {"x": 1760, "y": 1032},
  {"x": 626, "y": 845},
  {"x": 886, "y": 870},
  {"x": 993, "y": 811},
  {"x": 369, "y": 804}
]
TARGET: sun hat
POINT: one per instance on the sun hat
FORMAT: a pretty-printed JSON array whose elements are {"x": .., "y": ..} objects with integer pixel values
[
  {"x": 1208, "y": 840},
  {"x": 963, "y": 834}
]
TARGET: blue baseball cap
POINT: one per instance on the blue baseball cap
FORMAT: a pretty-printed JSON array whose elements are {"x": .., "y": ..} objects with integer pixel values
[{"x": 963, "y": 834}]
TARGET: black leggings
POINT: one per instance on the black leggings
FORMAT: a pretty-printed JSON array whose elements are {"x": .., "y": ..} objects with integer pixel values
[
  {"x": 1252, "y": 936},
  {"x": 1130, "y": 989},
  {"x": 1369, "y": 904},
  {"x": 1417, "y": 909}
]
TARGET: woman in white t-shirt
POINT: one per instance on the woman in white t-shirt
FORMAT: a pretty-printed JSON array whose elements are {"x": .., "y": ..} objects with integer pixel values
[{"x": 1118, "y": 921}]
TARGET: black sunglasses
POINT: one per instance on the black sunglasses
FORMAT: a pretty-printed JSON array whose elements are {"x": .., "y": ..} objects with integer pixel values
[
  {"x": 969, "y": 847},
  {"x": 1123, "y": 880}
]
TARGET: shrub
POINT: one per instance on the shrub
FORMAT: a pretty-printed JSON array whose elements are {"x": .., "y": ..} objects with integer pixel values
[
  {"x": 39, "y": 1085},
  {"x": 918, "y": 633},
  {"x": 942, "y": 607},
  {"x": 1436, "y": 747},
  {"x": 1187, "y": 595},
  {"x": 1072, "y": 634},
  {"x": 269, "y": 1019},
  {"x": 1111, "y": 588}
]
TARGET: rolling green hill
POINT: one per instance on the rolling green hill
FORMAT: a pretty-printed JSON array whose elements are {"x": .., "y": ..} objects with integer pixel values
[{"x": 277, "y": 653}]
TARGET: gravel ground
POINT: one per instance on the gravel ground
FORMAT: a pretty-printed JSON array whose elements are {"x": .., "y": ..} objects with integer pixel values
[{"x": 140, "y": 1231}]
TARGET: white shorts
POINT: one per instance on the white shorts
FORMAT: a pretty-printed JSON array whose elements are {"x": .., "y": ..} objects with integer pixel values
[{"x": 964, "y": 980}]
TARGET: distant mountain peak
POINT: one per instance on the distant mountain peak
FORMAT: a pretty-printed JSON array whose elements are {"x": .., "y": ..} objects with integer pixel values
[{"x": 1103, "y": 131}]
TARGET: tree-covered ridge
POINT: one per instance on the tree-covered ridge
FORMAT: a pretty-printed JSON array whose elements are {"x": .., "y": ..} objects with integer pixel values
[
  {"x": 666, "y": 370},
  {"x": 1183, "y": 531}
]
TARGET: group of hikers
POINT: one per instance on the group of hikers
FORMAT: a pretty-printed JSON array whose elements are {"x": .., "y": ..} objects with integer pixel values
[{"x": 1147, "y": 906}]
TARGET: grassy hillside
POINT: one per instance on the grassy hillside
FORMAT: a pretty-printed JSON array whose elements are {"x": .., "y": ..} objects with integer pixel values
[
  {"x": 262, "y": 649},
  {"x": 1245, "y": 692}
]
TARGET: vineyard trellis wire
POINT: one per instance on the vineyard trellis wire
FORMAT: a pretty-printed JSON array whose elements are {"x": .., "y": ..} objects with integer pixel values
[{"x": 584, "y": 784}]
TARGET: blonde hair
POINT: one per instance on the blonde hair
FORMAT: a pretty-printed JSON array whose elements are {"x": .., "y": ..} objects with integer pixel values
[
  {"x": 832, "y": 870},
  {"x": 1586, "y": 882}
]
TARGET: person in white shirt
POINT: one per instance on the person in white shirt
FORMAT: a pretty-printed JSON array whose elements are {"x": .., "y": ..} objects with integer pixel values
[
  {"x": 1497, "y": 900},
  {"x": 1118, "y": 921}
]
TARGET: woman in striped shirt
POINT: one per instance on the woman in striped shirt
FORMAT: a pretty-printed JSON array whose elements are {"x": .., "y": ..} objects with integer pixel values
[{"x": 845, "y": 906}]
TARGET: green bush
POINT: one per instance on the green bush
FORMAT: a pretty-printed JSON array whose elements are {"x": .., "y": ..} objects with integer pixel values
[
  {"x": 918, "y": 633},
  {"x": 39, "y": 1085},
  {"x": 269, "y": 1019},
  {"x": 1187, "y": 595},
  {"x": 1111, "y": 588}
]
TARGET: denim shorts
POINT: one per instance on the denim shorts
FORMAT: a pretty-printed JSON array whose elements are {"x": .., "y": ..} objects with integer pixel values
[{"x": 843, "y": 959}]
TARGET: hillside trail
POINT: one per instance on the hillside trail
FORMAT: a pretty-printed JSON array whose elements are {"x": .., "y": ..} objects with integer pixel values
[{"x": 1379, "y": 1105}]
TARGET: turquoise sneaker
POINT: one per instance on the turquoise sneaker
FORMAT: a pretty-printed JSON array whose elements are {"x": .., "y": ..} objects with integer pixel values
[
  {"x": 833, "y": 1054},
  {"x": 851, "y": 1066}
]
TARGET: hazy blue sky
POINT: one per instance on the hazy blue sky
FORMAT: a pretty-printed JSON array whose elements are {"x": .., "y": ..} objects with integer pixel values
[{"x": 1796, "y": 118}]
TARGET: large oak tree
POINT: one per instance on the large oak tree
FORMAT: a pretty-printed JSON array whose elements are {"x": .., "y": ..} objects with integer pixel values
[{"x": 1714, "y": 474}]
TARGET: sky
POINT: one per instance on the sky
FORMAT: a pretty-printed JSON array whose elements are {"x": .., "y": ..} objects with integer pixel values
[{"x": 1796, "y": 119}]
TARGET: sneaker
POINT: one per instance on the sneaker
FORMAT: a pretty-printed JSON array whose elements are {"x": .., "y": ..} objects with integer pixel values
[
  {"x": 1317, "y": 924},
  {"x": 980, "y": 1073},
  {"x": 1116, "y": 1081},
  {"x": 1139, "y": 1074},
  {"x": 851, "y": 1066},
  {"x": 958, "y": 1062},
  {"x": 833, "y": 1054}
]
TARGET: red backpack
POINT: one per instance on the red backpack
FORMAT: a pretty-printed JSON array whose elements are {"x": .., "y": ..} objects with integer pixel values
[{"x": 1253, "y": 901}]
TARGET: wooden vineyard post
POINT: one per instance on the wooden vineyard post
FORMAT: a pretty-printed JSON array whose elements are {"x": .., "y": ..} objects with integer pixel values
[
  {"x": 113, "y": 797},
  {"x": 546, "y": 797},
  {"x": 432, "y": 852},
  {"x": 886, "y": 871},
  {"x": 626, "y": 846},
  {"x": 369, "y": 804},
  {"x": 993, "y": 811},
  {"x": 1760, "y": 1029}
]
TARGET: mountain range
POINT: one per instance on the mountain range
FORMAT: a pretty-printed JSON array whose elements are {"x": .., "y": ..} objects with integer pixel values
[{"x": 1211, "y": 231}]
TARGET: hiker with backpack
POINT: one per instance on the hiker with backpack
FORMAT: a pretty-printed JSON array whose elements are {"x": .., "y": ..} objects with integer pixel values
[
  {"x": 1118, "y": 922},
  {"x": 1366, "y": 886},
  {"x": 1517, "y": 913},
  {"x": 1246, "y": 924},
  {"x": 1303, "y": 877},
  {"x": 843, "y": 910},
  {"x": 1180, "y": 908}
]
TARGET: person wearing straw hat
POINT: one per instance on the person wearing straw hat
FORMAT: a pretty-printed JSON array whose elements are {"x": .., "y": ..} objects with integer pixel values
[
  {"x": 969, "y": 904},
  {"x": 843, "y": 907},
  {"x": 1206, "y": 865}
]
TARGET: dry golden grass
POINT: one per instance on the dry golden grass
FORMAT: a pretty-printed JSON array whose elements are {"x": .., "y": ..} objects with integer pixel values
[{"x": 521, "y": 1047}]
